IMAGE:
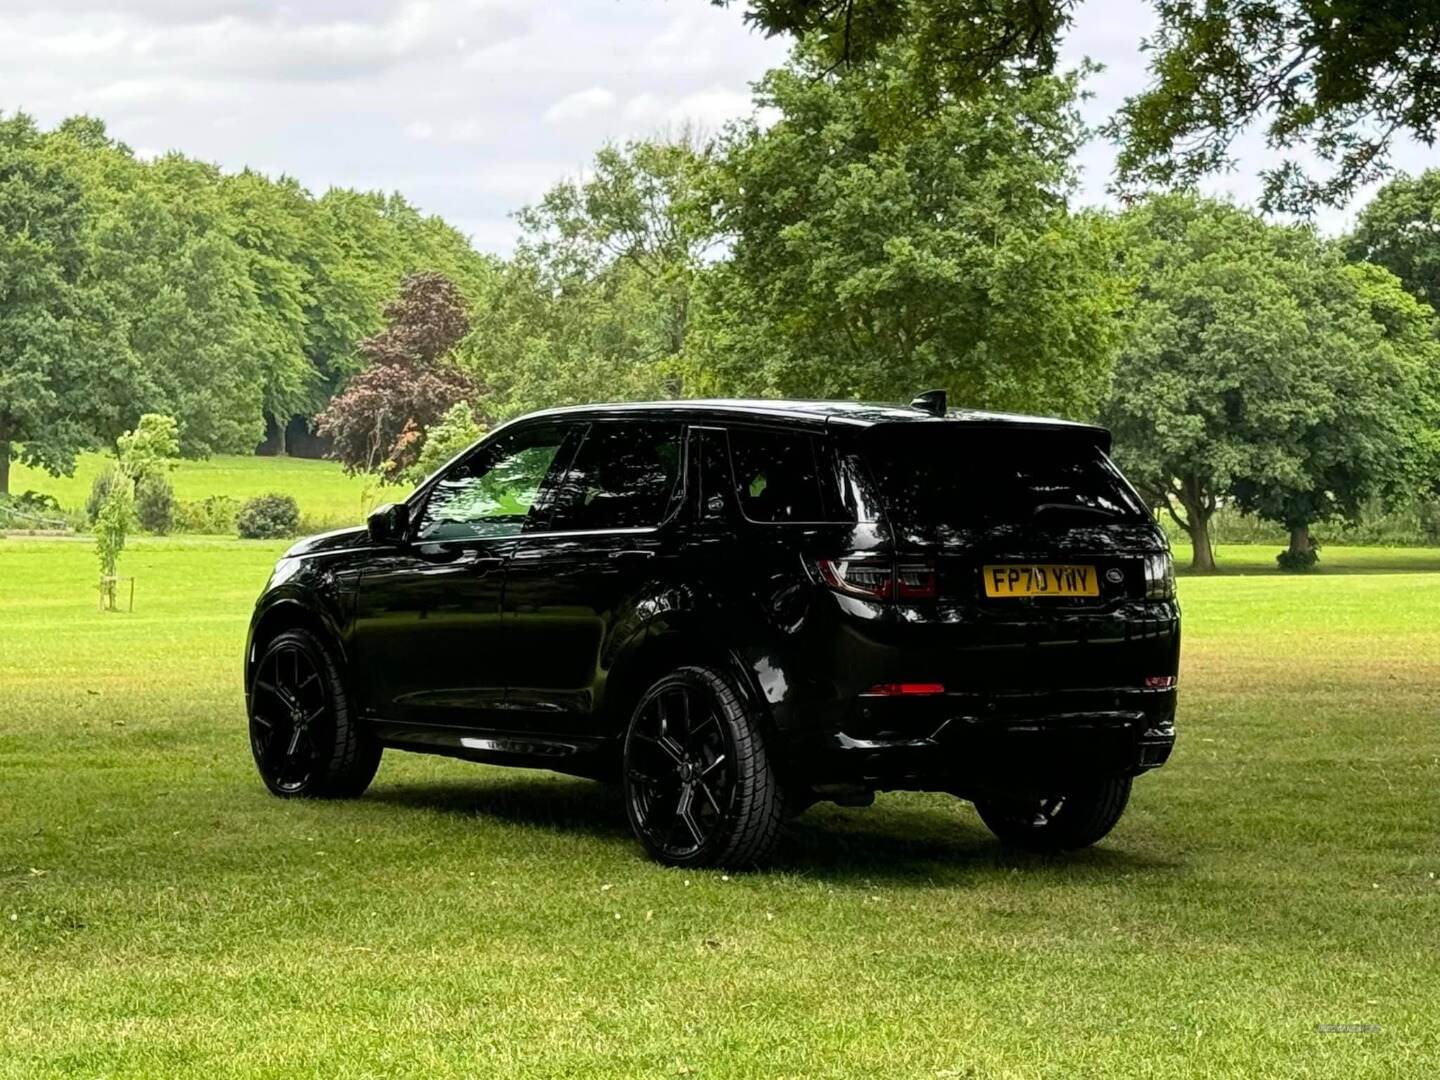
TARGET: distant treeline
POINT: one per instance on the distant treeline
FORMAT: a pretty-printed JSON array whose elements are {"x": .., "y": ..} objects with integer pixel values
[{"x": 168, "y": 286}]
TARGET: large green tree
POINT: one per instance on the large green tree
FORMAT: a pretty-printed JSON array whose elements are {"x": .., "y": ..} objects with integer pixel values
[
  {"x": 1400, "y": 230},
  {"x": 63, "y": 373},
  {"x": 883, "y": 243},
  {"x": 1261, "y": 368},
  {"x": 597, "y": 302}
]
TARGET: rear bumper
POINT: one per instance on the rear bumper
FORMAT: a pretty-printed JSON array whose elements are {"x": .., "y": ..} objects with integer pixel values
[{"x": 993, "y": 743}]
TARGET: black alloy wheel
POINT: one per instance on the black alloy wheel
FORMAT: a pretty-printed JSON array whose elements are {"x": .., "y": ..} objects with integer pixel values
[
  {"x": 1059, "y": 822},
  {"x": 699, "y": 789},
  {"x": 304, "y": 737}
]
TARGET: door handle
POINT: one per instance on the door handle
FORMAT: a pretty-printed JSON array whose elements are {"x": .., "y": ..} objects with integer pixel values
[{"x": 633, "y": 553}]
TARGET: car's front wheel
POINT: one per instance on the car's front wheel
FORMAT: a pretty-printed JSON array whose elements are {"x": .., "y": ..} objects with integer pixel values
[
  {"x": 1061, "y": 822},
  {"x": 700, "y": 789},
  {"x": 304, "y": 734}
]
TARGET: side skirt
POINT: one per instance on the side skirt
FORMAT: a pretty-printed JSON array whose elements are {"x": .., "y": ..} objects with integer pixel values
[{"x": 588, "y": 756}]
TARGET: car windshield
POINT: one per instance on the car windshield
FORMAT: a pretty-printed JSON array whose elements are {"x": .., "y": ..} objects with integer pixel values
[{"x": 955, "y": 478}]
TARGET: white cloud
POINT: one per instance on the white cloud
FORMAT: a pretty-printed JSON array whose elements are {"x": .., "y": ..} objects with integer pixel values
[
  {"x": 579, "y": 105},
  {"x": 468, "y": 107}
]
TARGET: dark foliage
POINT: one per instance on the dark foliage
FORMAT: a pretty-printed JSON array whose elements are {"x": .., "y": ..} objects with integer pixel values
[
  {"x": 268, "y": 517},
  {"x": 155, "y": 504}
]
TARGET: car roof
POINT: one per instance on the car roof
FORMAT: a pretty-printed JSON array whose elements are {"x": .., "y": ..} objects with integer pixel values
[{"x": 847, "y": 413}]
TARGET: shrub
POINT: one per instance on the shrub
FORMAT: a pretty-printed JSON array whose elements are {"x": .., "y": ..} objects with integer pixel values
[
  {"x": 155, "y": 504},
  {"x": 99, "y": 489},
  {"x": 214, "y": 515},
  {"x": 1298, "y": 562},
  {"x": 268, "y": 517}
]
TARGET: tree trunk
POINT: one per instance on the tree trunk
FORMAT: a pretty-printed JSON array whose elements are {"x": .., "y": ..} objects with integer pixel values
[
  {"x": 282, "y": 431},
  {"x": 1300, "y": 542},
  {"x": 1198, "y": 509},
  {"x": 1202, "y": 560},
  {"x": 5, "y": 467}
]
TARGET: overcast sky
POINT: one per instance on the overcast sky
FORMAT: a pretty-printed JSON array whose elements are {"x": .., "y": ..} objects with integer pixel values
[{"x": 471, "y": 108}]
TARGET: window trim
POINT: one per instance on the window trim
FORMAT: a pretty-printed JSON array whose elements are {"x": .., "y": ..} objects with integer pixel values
[
  {"x": 679, "y": 494},
  {"x": 817, "y": 438}
]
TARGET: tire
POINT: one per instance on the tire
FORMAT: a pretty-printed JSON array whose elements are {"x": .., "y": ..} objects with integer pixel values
[
  {"x": 304, "y": 734},
  {"x": 1062, "y": 822},
  {"x": 700, "y": 789}
]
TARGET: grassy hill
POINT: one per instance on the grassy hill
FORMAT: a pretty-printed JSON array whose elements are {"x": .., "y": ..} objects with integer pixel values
[{"x": 328, "y": 497}]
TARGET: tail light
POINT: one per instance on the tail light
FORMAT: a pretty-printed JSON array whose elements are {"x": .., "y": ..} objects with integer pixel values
[
  {"x": 1159, "y": 577},
  {"x": 875, "y": 579}
]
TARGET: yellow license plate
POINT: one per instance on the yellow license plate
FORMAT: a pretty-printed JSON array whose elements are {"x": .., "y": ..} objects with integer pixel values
[{"x": 1041, "y": 579}]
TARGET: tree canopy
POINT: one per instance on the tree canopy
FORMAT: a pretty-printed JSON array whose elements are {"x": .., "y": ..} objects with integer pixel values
[
  {"x": 1400, "y": 230},
  {"x": 1262, "y": 368},
  {"x": 130, "y": 286},
  {"x": 880, "y": 244}
]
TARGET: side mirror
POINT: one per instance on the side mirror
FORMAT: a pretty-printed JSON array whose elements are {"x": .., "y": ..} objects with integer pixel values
[{"x": 387, "y": 524}]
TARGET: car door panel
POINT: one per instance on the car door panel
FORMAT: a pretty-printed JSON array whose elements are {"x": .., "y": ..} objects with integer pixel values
[
  {"x": 574, "y": 593},
  {"x": 428, "y": 626}
]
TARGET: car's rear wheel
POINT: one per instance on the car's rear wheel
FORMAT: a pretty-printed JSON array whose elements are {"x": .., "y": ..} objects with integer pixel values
[
  {"x": 306, "y": 738},
  {"x": 700, "y": 789},
  {"x": 1060, "y": 822}
]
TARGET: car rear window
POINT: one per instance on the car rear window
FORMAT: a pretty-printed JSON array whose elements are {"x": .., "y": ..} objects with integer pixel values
[{"x": 949, "y": 477}]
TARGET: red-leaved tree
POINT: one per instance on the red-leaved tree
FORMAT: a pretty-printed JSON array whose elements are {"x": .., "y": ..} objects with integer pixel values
[{"x": 379, "y": 420}]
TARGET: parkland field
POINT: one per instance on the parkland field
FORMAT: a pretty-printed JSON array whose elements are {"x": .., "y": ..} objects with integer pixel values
[{"x": 1270, "y": 906}]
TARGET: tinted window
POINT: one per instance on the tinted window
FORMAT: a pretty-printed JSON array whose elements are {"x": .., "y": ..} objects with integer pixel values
[
  {"x": 967, "y": 479},
  {"x": 783, "y": 476},
  {"x": 623, "y": 477},
  {"x": 492, "y": 492}
]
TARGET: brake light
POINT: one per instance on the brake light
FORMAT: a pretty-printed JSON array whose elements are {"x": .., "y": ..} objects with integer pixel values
[
  {"x": 880, "y": 580},
  {"x": 1159, "y": 682},
  {"x": 914, "y": 581},
  {"x": 905, "y": 689}
]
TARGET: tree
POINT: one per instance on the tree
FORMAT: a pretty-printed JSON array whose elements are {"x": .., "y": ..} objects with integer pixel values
[
  {"x": 378, "y": 422},
  {"x": 882, "y": 243},
  {"x": 1339, "y": 79},
  {"x": 143, "y": 454},
  {"x": 1259, "y": 367},
  {"x": 452, "y": 433},
  {"x": 597, "y": 302},
  {"x": 959, "y": 43},
  {"x": 1400, "y": 230},
  {"x": 60, "y": 364}
]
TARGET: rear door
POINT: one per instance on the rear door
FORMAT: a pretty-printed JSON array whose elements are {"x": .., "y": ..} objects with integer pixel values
[{"x": 575, "y": 575}]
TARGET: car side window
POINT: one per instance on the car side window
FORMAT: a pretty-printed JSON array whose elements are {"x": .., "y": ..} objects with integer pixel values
[
  {"x": 625, "y": 475},
  {"x": 783, "y": 476},
  {"x": 497, "y": 489}
]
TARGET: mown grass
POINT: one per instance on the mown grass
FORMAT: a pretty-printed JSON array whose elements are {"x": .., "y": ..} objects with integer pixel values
[
  {"x": 161, "y": 916},
  {"x": 325, "y": 494}
]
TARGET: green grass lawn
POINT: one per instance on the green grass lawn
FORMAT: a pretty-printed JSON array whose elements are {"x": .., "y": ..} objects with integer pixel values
[
  {"x": 326, "y": 495},
  {"x": 160, "y": 915}
]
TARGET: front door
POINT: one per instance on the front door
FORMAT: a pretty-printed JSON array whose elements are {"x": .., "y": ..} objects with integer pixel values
[
  {"x": 428, "y": 630},
  {"x": 573, "y": 589}
]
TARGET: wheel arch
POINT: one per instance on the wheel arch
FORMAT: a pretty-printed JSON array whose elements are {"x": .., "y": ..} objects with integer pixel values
[
  {"x": 290, "y": 613},
  {"x": 664, "y": 649}
]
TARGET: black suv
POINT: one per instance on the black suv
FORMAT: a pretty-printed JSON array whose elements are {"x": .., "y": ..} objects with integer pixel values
[{"x": 738, "y": 608}]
